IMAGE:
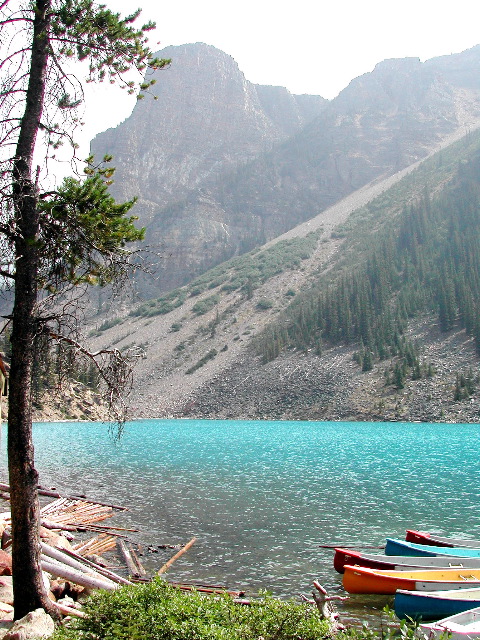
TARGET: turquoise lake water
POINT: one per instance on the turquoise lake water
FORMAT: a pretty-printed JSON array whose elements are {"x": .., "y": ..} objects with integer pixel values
[{"x": 262, "y": 496}]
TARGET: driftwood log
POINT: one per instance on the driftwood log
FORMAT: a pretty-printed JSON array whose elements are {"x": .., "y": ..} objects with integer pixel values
[
  {"x": 135, "y": 569},
  {"x": 55, "y": 494},
  {"x": 168, "y": 564},
  {"x": 60, "y": 570},
  {"x": 56, "y": 554},
  {"x": 70, "y": 611},
  {"x": 324, "y": 605},
  {"x": 99, "y": 569},
  {"x": 140, "y": 568}
]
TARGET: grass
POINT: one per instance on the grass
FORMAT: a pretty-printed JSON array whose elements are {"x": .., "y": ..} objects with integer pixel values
[
  {"x": 209, "y": 356},
  {"x": 157, "y": 611},
  {"x": 245, "y": 273}
]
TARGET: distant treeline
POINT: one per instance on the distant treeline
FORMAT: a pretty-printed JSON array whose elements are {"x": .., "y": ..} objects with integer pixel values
[{"x": 426, "y": 260}]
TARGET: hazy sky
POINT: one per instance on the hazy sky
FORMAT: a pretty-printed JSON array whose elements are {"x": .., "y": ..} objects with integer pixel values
[{"x": 305, "y": 46}]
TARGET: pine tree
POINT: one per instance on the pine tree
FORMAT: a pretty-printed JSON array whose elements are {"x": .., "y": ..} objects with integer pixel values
[{"x": 53, "y": 240}]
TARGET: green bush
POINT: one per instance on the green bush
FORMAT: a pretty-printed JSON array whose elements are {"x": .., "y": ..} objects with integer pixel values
[
  {"x": 157, "y": 611},
  {"x": 208, "y": 356},
  {"x": 162, "y": 305},
  {"x": 203, "y": 306},
  {"x": 108, "y": 324},
  {"x": 265, "y": 303}
]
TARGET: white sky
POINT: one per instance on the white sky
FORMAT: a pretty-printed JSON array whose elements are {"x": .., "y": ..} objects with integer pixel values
[{"x": 306, "y": 46}]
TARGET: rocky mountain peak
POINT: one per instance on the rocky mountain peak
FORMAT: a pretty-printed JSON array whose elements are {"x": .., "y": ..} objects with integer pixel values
[
  {"x": 397, "y": 65},
  {"x": 206, "y": 117},
  {"x": 221, "y": 165}
]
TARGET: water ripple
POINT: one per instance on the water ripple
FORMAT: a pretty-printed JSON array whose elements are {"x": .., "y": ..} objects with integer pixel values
[{"x": 261, "y": 496}]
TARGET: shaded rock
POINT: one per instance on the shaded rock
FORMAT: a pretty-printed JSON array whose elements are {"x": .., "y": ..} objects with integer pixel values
[
  {"x": 73, "y": 590},
  {"x": 6, "y": 589},
  {"x": 6, "y": 618},
  {"x": 5, "y": 563},
  {"x": 34, "y": 626},
  {"x": 55, "y": 539},
  {"x": 57, "y": 589}
]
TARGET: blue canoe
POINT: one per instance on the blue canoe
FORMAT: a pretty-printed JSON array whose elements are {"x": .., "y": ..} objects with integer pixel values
[
  {"x": 396, "y": 547},
  {"x": 434, "y": 605}
]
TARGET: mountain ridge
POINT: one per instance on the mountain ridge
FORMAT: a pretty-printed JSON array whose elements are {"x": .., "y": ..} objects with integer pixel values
[
  {"x": 222, "y": 165},
  {"x": 202, "y": 364}
]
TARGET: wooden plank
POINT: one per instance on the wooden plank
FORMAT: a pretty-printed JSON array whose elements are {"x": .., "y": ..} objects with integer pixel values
[
  {"x": 55, "y": 494},
  {"x": 168, "y": 564},
  {"x": 127, "y": 556}
]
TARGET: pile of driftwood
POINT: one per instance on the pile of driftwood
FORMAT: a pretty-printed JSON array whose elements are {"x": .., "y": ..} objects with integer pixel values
[
  {"x": 81, "y": 563},
  {"x": 67, "y": 562}
]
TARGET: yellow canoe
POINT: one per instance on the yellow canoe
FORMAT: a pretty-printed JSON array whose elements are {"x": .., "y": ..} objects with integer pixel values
[{"x": 363, "y": 580}]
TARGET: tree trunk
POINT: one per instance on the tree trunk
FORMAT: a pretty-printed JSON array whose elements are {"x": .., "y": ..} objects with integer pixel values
[{"x": 28, "y": 589}]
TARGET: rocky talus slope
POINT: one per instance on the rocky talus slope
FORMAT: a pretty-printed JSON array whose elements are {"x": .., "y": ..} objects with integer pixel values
[{"x": 204, "y": 365}]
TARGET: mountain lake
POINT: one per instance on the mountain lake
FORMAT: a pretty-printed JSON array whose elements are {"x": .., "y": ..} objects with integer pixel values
[{"x": 262, "y": 496}]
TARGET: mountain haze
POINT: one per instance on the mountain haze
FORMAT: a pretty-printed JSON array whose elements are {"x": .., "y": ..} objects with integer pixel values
[
  {"x": 316, "y": 259},
  {"x": 248, "y": 338},
  {"x": 221, "y": 165}
]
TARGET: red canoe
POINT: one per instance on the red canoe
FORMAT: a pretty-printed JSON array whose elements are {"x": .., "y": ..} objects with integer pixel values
[
  {"x": 399, "y": 563},
  {"x": 421, "y": 537}
]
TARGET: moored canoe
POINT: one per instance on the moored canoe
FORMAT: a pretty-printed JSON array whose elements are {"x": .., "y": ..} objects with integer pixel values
[
  {"x": 396, "y": 547},
  {"x": 381, "y": 581},
  {"x": 434, "y": 605},
  {"x": 421, "y": 537},
  {"x": 399, "y": 563},
  {"x": 461, "y": 626}
]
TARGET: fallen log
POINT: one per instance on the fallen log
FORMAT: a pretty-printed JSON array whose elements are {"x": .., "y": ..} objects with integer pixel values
[
  {"x": 49, "y": 524},
  {"x": 107, "y": 527},
  {"x": 102, "y": 545},
  {"x": 60, "y": 570},
  {"x": 58, "y": 555},
  {"x": 324, "y": 606},
  {"x": 127, "y": 556},
  {"x": 168, "y": 564},
  {"x": 55, "y": 494},
  {"x": 101, "y": 570},
  {"x": 94, "y": 528},
  {"x": 140, "y": 568},
  {"x": 75, "y": 512},
  {"x": 70, "y": 611},
  {"x": 97, "y": 545}
]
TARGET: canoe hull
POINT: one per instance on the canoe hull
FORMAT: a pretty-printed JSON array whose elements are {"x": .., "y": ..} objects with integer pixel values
[
  {"x": 461, "y": 626},
  {"x": 399, "y": 563},
  {"x": 364, "y": 580},
  {"x": 421, "y": 537},
  {"x": 433, "y": 605},
  {"x": 396, "y": 547}
]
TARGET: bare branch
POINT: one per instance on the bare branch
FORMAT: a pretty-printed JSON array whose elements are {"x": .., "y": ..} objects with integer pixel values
[{"x": 114, "y": 368}]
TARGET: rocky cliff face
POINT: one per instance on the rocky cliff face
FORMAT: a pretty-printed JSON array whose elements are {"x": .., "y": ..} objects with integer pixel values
[
  {"x": 206, "y": 363},
  {"x": 222, "y": 165},
  {"x": 206, "y": 118}
]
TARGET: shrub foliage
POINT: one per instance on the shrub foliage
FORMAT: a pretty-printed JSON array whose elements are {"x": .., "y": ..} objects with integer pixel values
[{"x": 158, "y": 611}]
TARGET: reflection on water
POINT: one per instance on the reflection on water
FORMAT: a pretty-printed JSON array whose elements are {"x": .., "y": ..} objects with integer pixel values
[{"x": 261, "y": 496}]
